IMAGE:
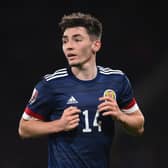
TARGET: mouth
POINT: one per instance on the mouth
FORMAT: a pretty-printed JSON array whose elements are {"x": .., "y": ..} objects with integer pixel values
[{"x": 71, "y": 56}]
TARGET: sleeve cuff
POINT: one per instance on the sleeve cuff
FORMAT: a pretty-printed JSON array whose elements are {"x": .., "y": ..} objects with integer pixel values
[
  {"x": 26, "y": 116},
  {"x": 29, "y": 114},
  {"x": 132, "y": 109}
]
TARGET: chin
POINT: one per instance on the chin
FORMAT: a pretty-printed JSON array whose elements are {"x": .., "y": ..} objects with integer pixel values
[{"x": 74, "y": 64}]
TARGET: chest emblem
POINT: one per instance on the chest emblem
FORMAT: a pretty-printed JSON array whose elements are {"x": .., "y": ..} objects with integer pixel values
[{"x": 110, "y": 93}]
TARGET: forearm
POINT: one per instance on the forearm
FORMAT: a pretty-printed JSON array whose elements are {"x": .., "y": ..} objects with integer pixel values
[
  {"x": 132, "y": 123},
  {"x": 34, "y": 128}
]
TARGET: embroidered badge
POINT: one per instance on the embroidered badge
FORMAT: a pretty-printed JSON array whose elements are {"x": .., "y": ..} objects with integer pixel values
[
  {"x": 34, "y": 96},
  {"x": 110, "y": 93}
]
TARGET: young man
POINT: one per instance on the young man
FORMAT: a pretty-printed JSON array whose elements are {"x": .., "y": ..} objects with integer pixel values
[{"x": 77, "y": 106}]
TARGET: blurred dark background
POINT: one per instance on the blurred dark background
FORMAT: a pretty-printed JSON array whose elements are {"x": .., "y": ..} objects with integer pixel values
[{"x": 135, "y": 40}]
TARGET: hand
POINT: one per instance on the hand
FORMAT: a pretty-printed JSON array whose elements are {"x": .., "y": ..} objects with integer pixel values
[
  {"x": 109, "y": 107},
  {"x": 70, "y": 118}
]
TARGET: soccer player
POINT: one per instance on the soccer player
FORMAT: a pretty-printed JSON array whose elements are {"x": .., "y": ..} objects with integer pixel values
[{"x": 78, "y": 105}]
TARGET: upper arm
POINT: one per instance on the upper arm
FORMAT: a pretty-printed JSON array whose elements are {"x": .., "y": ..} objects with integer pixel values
[
  {"x": 39, "y": 104},
  {"x": 136, "y": 113},
  {"x": 126, "y": 99},
  {"x": 25, "y": 124},
  {"x": 24, "y": 120}
]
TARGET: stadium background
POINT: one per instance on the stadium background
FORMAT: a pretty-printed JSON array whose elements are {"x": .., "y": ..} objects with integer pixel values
[{"x": 135, "y": 40}]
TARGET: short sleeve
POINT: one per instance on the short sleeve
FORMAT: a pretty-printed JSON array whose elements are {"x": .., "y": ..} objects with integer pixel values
[
  {"x": 39, "y": 104},
  {"x": 127, "y": 102}
]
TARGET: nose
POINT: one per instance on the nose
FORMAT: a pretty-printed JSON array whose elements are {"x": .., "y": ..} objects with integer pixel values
[{"x": 69, "y": 45}]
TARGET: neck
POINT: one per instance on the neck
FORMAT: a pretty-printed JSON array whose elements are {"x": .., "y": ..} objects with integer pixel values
[{"x": 86, "y": 72}]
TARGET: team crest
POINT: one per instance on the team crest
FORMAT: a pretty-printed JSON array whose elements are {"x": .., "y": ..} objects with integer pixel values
[
  {"x": 34, "y": 96},
  {"x": 110, "y": 93}
]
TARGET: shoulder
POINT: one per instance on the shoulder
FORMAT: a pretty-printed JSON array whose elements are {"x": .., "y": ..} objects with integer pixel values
[
  {"x": 109, "y": 71},
  {"x": 51, "y": 79},
  {"x": 117, "y": 75},
  {"x": 58, "y": 74}
]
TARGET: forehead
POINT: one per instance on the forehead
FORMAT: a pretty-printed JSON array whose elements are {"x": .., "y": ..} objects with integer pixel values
[{"x": 75, "y": 31}]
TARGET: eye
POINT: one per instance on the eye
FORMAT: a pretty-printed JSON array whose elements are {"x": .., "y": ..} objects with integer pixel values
[
  {"x": 64, "y": 41},
  {"x": 78, "y": 39}
]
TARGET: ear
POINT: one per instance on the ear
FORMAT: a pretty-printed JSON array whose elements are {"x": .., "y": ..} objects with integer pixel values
[{"x": 96, "y": 45}]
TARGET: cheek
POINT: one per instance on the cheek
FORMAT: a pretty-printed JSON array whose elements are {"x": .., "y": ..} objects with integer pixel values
[
  {"x": 63, "y": 48},
  {"x": 86, "y": 50}
]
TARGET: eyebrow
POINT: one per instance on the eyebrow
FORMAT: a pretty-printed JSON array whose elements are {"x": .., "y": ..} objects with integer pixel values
[{"x": 75, "y": 35}]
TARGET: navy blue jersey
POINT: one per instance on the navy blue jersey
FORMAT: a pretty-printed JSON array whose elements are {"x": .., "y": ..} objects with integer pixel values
[{"x": 88, "y": 145}]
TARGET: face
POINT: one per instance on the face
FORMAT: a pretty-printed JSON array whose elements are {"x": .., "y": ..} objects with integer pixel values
[{"x": 78, "y": 47}]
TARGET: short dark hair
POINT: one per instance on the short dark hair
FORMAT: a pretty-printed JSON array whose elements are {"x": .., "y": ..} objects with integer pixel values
[{"x": 92, "y": 24}]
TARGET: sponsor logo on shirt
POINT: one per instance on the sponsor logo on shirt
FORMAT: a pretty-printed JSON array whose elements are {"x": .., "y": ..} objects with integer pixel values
[{"x": 72, "y": 100}]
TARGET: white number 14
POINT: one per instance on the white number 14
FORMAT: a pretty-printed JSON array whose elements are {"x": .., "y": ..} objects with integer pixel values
[{"x": 95, "y": 122}]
